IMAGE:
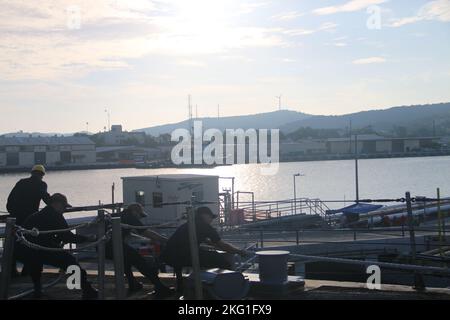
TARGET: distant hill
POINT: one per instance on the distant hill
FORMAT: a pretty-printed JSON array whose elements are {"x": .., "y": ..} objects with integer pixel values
[
  {"x": 269, "y": 120},
  {"x": 412, "y": 120},
  {"x": 380, "y": 120}
]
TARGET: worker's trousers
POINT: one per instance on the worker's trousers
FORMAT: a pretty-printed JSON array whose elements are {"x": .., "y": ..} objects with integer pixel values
[
  {"x": 35, "y": 260},
  {"x": 132, "y": 258}
]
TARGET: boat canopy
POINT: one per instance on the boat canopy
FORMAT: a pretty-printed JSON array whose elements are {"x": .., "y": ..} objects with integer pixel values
[{"x": 356, "y": 208}]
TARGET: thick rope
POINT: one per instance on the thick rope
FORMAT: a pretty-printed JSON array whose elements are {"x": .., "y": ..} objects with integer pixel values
[
  {"x": 31, "y": 245},
  {"x": 36, "y": 232}
]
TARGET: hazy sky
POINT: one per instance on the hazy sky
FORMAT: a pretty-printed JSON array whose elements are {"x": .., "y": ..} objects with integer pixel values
[{"x": 63, "y": 62}]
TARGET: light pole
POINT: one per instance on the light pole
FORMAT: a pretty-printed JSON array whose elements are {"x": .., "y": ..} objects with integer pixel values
[
  {"x": 295, "y": 191},
  {"x": 109, "y": 119}
]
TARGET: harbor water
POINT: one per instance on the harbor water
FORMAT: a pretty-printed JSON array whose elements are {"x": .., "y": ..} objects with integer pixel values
[{"x": 326, "y": 180}]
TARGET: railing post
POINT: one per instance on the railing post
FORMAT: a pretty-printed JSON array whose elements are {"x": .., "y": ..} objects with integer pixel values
[
  {"x": 261, "y": 237},
  {"x": 194, "y": 253},
  {"x": 253, "y": 207},
  {"x": 418, "y": 281},
  {"x": 118, "y": 258},
  {"x": 8, "y": 249},
  {"x": 297, "y": 237},
  {"x": 101, "y": 254}
]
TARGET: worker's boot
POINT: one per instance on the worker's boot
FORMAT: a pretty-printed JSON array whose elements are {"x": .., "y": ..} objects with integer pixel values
[
  {"x": 89, "y": 292},
  {"x": 37, "y": 294},
  {"x": 163, "y": 292},
  {"x": 134, "y": 286}
]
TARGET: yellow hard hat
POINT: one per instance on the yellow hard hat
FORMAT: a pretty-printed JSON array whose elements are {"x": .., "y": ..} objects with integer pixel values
[{"x": 38, "y": 168}]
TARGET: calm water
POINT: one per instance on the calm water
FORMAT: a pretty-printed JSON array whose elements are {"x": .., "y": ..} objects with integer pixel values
[{"x": 379, "y": 178}]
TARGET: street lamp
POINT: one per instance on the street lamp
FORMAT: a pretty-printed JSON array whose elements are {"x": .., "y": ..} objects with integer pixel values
[{"x": 295, "y": 191}]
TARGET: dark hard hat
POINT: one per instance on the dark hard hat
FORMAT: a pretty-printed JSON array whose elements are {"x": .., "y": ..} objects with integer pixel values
[{"x": 60, "y": 198}]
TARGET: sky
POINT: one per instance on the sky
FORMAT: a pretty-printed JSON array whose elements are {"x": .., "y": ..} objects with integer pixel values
[{"x": 66, "y": 64}]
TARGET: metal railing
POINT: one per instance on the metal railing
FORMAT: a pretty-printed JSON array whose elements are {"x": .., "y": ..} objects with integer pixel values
[{"x": 263, "y": 210}]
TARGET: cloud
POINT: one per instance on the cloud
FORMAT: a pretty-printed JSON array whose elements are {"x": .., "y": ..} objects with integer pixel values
[
  {"x": 438, "y": 10},
  {"x": 287, "y": 16},
  {"x": 191, "y": 63},
  {"x": 288, "y": 60},
  {"x": 350, "y": 6},
  {"x": 327, "y": 26},
  {"x": 249, "y": 7},
  {"x": 369, "y": 60},
  {"x": 37, "y": 41}
]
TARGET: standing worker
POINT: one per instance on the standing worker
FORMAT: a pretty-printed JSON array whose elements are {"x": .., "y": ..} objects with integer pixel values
[{"x": 26, "y": 196}]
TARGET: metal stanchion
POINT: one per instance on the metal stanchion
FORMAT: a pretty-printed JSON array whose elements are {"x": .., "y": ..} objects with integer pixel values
[
  {"x": 261, "y": 238},
  {"x": 101, "y": 254},
  {"x": 418, "y": 280},
  {"x": 194, "y": 253},
  {"x": 8, "y": 248},
  {"x": 118, "y": 257}
]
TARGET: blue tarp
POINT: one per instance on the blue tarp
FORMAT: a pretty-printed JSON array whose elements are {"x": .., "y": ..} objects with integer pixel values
[{"x": 356, "y": 208}]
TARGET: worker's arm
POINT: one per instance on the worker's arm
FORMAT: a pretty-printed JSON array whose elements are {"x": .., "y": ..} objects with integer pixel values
[
  {"x": 154, "y": 236},
  {"x": 45, "y": 196},
  {"x": 225, "y": 246},
  {"x": 68, "y": 236},
  {"x": 12, "y": 201}
]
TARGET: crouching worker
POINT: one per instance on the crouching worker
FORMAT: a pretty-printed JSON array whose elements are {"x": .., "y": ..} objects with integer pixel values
[
  {"x": 177, "y": 252},
  {"x": 131, "y": 257},
  {"x": 51, "y": 218}
]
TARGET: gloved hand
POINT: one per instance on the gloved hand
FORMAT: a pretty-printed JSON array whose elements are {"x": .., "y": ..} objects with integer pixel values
[{"x": 245, "y": 254}]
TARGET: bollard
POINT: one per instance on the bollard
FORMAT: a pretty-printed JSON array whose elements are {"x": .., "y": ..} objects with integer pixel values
[
  {"x": 273, "y": 266},
  {"x": 101, "y": 254},
  {"x": 8, "y": 249},
  {"x": 118, "y": 258},
  {"x": 194, "y": 253}
]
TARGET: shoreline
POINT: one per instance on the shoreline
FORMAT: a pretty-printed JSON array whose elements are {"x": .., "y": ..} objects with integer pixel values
[{"x": 302, "y": 158}]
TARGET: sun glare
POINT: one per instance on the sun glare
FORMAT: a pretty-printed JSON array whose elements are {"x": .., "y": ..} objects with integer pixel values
[{"x": 202, "y": 25}]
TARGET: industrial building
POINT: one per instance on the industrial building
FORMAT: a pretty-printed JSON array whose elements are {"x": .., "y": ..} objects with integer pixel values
[
  {"x": 16, "y": 152},
  {"x": 128, "y": 154},
  {"x": 117, "y": 137},
  {"x": 373, "y": 144}
]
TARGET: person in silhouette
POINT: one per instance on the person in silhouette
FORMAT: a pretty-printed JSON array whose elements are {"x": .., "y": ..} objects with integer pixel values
[
  {"x": 51, "y": 218},
  {"x": 131, "y": 216},
  {"x": 177, "y": 252},
  {"x": 24, "y": 200}
]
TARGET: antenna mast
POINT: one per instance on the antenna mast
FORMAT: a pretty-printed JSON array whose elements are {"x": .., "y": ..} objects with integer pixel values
[
  {"x": 190, "y": 113},
  {"x": 279, "y": 101}
]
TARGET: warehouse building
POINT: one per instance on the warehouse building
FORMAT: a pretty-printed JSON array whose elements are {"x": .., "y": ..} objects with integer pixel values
[
  {"x": 27, "y": 151},
  {"x": 374, "y": 144}
]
